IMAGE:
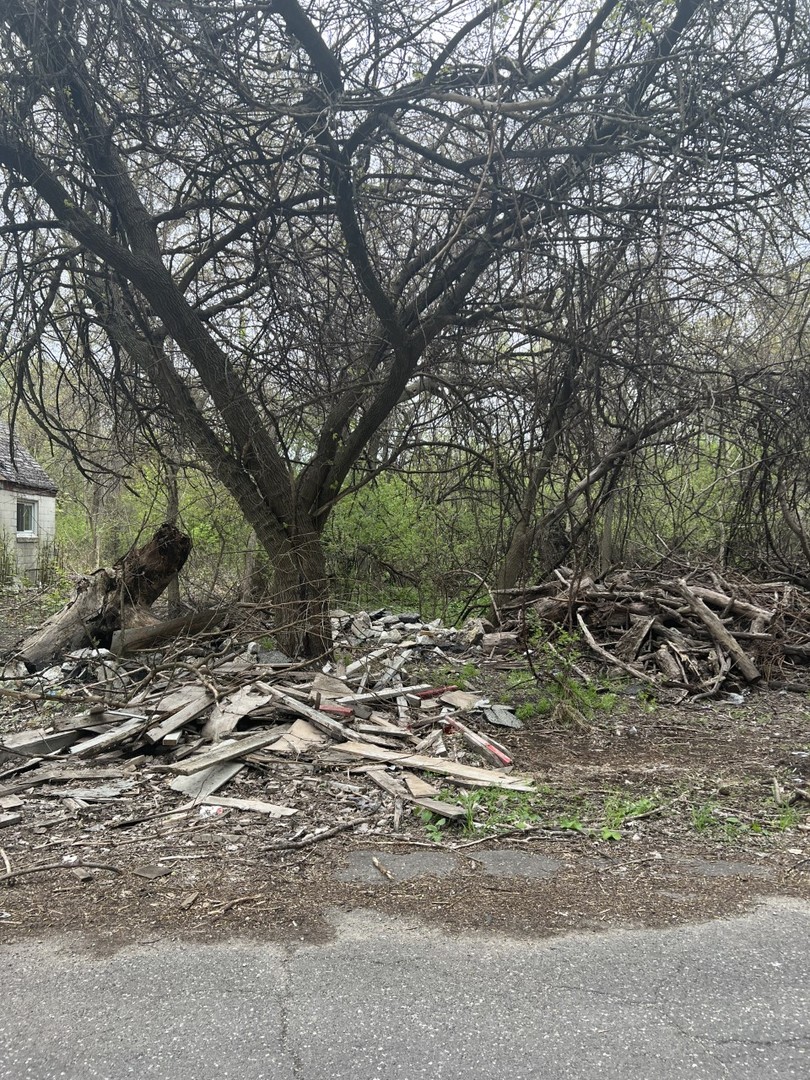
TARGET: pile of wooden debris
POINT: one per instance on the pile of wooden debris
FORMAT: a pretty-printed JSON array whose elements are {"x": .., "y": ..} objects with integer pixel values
[
  {"x": 701, "y": 634},
  {"x": 209, "y": 712}
]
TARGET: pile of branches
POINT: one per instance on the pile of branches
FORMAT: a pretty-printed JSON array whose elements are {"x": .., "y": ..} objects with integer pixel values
[{"x": 702, "y": 633}]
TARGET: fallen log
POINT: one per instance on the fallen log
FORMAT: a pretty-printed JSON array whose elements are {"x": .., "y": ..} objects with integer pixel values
[
  {"x": 110, "y": 599},
  {"x": 719, "y": 634},
  {"x": 137, "y": 638}
]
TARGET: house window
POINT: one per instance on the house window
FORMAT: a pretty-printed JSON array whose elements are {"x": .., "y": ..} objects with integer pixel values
[{"x": 26, "y": 518}]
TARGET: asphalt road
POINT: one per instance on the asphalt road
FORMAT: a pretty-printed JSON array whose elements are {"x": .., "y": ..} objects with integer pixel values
[{"x": 388, "y": 1000}]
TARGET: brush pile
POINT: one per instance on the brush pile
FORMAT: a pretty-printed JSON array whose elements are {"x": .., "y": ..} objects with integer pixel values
[{"x": 700, "y": 634}]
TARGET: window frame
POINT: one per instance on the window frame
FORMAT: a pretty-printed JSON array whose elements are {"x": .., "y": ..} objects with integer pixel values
[{"x": 32, "y": 507}]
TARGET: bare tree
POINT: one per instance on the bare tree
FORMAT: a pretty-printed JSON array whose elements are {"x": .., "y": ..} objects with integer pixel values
[{"x": 261, "y": 222}]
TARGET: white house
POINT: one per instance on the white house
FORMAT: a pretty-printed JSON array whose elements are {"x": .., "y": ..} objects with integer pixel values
[{"x": 27, "y": 508}]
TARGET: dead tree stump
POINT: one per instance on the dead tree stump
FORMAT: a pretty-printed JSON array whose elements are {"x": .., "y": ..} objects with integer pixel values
[{"x": 111, "y": 599}]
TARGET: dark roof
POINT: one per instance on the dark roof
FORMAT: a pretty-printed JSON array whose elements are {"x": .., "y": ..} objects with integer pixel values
[{"x": 23, "y": 472}]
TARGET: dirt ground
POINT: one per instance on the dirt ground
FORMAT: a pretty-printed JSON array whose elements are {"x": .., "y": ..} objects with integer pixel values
[{"x": 650, "y": 815}]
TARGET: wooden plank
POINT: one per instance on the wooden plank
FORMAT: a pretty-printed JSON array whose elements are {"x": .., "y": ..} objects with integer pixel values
[
  {"x": 419, "y": 788},
  {"x": 388, "y": 783},
  {"x": 224, "y": 751},
  {"x": 314, "y": 716},
  {"x": 391, "y": 672},
  {"x": 47, "y": 776},
  {"x": 38, "y": 743},
  {"x": 320, "y": 720},
  {"x": 389, "y": 729},
  {"x": 89, "y": 721},
  {"x": 256, "y": 806},
  {"x": 230, "y": 710},
  {"x": 300, "y": 739},
  {"x": 178, "y": 699},
  {"x": 117, "y": 735},
  {"x": 193, "y": 708},
  {"x": 467, "y": 774},
  {"x": 383, "y": 695},
  {"x": 11, "y": 818},
  {"x": 444, "y": 809},
  {"x": 141, "y": 637},
  {"x": 202, "y": 784}
]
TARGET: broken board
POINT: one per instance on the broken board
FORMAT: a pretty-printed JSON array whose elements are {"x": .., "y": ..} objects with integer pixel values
[{"x": 465, "y": 774}]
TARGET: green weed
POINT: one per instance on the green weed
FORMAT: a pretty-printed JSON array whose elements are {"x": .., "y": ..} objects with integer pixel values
[
  {"x": 492, "y": 809},
  {"x": 619, "y": 809},
  {"x": 434, "y": 824},
  {"x": 703, "y": 817},
  {"x": 571, "y": 823}
]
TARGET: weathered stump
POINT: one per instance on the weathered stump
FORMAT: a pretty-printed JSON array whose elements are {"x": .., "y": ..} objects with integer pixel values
[{"x": 110, "y": 599}]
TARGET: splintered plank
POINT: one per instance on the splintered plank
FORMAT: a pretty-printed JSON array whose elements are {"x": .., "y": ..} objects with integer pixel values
[
  {"x": 256, "y": 806},
  {"x": 224, "y": 751},
  {"x": 206, "y": 782},
  {"x": 193, "y": 707},
  {"x": 300, "y": 739},
  {"x": 451, "y": 811},
  {"x": 320, "y": 720},
  {"x": 391, "y": 784},
  {"x": 38, "y": 743},
  {"x": 383, "y": 695},
  {"x": 314, "y": 716},
  {"x": 465, "y": 774},
  {"x": 230, "y": 710},
  {"x": 134, "y": 726},
  {"x": 419, "y": 788}
]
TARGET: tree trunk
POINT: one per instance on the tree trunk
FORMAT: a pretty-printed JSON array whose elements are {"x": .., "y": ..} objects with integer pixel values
[
  {"x": 300, "y": 598},
  {"x": 172, "y": 514},
  {"x": 110, "y": 600}
]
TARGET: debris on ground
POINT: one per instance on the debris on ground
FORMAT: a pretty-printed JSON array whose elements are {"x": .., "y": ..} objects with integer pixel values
[
  {"x": 179, "y": 724},
  {"x": 702, "y": 633}
]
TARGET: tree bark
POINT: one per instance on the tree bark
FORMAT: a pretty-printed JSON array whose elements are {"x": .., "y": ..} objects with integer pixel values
[
  {"x": 110, "y": 599},
  {"x": 300, "y": 598}
]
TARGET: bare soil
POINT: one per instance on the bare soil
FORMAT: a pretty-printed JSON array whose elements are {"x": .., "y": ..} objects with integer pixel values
[{"x": 657, "y": 814}]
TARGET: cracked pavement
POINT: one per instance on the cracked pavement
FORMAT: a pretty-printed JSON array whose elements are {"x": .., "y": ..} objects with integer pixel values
[{"x": 387, "y": 999}]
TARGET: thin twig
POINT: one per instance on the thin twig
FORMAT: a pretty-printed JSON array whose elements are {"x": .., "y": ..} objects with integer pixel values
[
  {"x": 57, "y": 866},
  {"x": 290, "y": 845}
]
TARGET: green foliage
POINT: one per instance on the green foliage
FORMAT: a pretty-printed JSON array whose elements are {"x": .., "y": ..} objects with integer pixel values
[
  {"x": 619, "y": 808},
  {"x": 703, "y": 817},
  {"x": 571, "y": 823},
  {"x": 400, "y": 542},
  {"x": 462, "y": 676},
  {"x": 492, "y": 809},
  {"x": 434, "y": 824},
  {"x": 554, "y": 687}
]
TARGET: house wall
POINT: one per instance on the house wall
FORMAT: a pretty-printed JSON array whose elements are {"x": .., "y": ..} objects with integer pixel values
[{"x": 26, "y": 549}]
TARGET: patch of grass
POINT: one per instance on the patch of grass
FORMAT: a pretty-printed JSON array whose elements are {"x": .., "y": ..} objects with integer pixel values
[
  {"x": 620, "y": 809},
  {"x": 647, "y": 702},
  {"x": 788, "y": 817},
  {"x": 491, "y": 809},
  {"x": 571, "y": 823},
  {"x": 703, "y": 817},
  {"x": 460, "y": 676}
]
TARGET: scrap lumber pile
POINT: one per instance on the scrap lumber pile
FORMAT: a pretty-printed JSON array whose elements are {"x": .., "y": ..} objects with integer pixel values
[
  {"x": 210, "y": 713},
  {"x": 700, "y": 634}
]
